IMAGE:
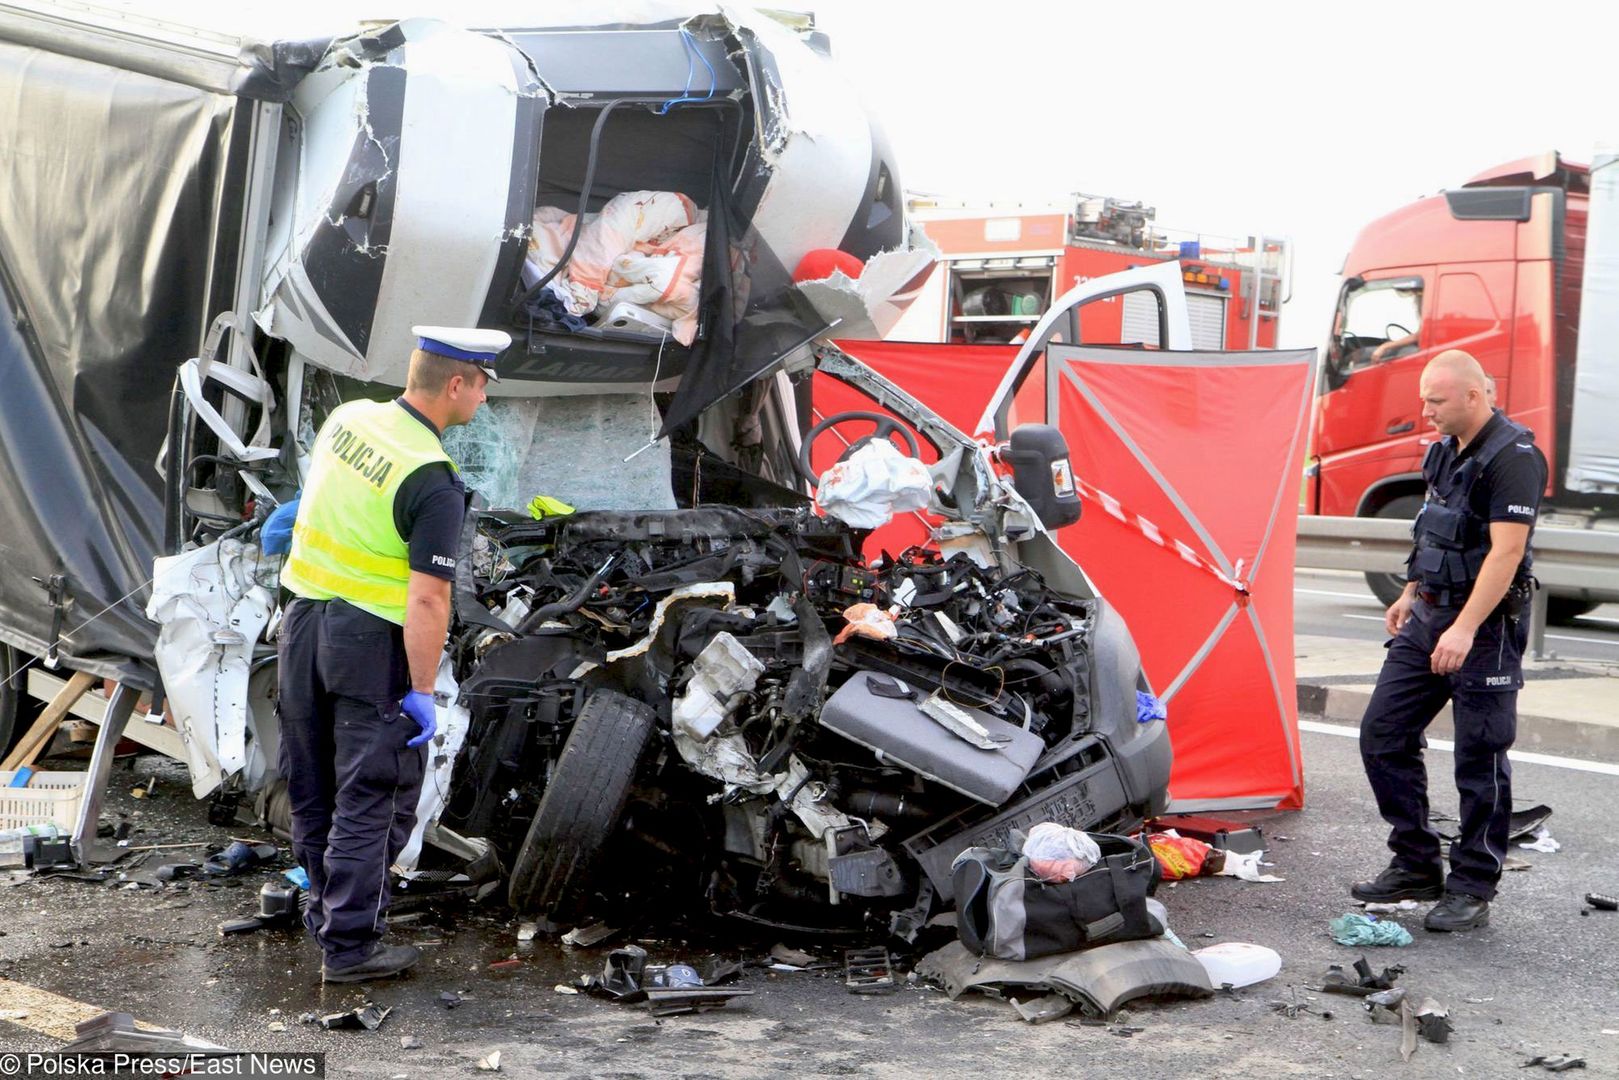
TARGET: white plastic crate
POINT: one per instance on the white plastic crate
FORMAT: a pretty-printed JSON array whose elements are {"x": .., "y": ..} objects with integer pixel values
[{"x": 49, "y": 796}]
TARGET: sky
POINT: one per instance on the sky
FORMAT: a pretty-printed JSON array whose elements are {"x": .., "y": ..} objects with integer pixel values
[{"x": 1299, "y": 119}]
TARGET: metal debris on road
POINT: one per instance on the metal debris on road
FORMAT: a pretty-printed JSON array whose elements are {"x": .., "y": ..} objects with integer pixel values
[
  {"x": 592, "y": 934},
  {"x": 868, "y": 971},
  {"x": 367, "y": 1017},
  {"x": 1557, "y": 1063}
]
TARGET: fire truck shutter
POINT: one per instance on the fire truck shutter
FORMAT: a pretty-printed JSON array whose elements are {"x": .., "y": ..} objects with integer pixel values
[{"x": 1206, "y": 313}]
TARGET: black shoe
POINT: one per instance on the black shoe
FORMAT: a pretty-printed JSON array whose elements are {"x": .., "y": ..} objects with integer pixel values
[
  {"x": 386, "y": 962},
  {"x": 1396, "y": 884},
  {"x": 1458, "y": 911}
]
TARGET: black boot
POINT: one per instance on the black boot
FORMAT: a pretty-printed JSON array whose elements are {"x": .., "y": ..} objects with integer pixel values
[
  {"x": 386, "y": 962},
  {"x": 1396, "y": 884},
  {"x": 1458, "y": 911}
]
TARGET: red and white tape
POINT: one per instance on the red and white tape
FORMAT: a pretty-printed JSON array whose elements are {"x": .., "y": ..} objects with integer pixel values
[{"x": 1115, "y": 509}]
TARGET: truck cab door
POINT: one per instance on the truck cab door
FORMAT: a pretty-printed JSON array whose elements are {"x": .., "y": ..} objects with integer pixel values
[{"x": 1370, "y": 409}]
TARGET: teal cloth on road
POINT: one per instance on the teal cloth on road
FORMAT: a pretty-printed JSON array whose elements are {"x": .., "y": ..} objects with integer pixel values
[{"x": 1368, "y": 930}]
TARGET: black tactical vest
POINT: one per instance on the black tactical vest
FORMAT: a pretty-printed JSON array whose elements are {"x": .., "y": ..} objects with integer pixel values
[{"x": 1451, "y": 539}]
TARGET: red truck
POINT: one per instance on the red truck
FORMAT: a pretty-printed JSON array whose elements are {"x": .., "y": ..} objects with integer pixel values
[
  {"x": 1000, "y": 268},
  {"x": 1496, "y": 267}
]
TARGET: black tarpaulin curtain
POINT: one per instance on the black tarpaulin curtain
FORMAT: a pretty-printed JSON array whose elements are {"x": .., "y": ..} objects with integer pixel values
[
  {"x": 751, "y": 315},
  {"x": 108, "y": 204}
]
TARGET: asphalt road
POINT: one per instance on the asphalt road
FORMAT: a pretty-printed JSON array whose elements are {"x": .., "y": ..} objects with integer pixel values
[
  {"x": 1540, "y": 979},
  {"x": 1337, "y": 603}
]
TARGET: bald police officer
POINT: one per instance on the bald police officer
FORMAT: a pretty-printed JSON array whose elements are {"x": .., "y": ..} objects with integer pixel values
[
  {"x": 1459, "y": 631},
  {"x": 373, "y": 553}
]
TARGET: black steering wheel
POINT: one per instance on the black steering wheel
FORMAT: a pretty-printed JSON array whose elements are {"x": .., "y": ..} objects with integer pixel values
[{"x": 886, "y": 426}]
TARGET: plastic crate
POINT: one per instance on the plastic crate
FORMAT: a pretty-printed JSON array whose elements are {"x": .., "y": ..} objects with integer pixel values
[{"x": 49, "y": 796}]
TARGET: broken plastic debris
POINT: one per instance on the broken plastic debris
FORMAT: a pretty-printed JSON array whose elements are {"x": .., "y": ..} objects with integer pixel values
[
  {"x": 409, "y": 1042},
  {"x": 1245, "y": 865},
  {"x": 1543, "y": 842},
  {"x": 1038, "y": 1010},
  {"x": 868, "y": 971},
  {"x": 791, "y": 957},
  {"x": 559, "y": 988},
  {"x": 1433, "y": 1021},
  {"x": 367, "y": 1017},
  {"x": 1364, "y": 983},
  {"x": 1356, "y": 929},
  {"x": 1391, "y": 909},
  {"x": 490, "y": 1063},
  {"x": 1555, "y": 1063},
  {"x": 724, "y": 670},
  {"x": 586, "y": 936},
  {"x": 1237, "y": 963},
  {"x": 527, "y": 931}
]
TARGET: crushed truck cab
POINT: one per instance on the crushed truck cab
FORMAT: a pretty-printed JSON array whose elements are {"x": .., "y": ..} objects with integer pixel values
[{"x": 674, "y": 668}]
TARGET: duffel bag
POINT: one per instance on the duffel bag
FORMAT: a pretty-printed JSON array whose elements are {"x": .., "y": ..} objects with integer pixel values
[{"x": 1004, "y": 911}]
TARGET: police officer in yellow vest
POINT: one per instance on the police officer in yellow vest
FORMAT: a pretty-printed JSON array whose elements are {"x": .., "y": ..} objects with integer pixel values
[{"x": 373, "y": 553}]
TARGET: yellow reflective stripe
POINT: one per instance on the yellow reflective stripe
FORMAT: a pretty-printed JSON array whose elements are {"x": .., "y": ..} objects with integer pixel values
[
  {"x": 381, "y": 593},
  {"x": 366, "y": 561}
]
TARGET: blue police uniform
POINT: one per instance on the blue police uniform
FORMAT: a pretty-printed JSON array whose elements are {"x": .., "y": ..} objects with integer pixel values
[
  {"x": 1496, "y": 477},
  {"x": 354, "y": 772}
]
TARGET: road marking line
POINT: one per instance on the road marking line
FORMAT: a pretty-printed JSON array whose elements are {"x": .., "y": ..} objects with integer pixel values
[
  {"x": 1525, "y": 756},
  {"x": 41, "y": 1011},
  {"x": 1549, "y": 637},
  {"x": 1368, "y": 597}
]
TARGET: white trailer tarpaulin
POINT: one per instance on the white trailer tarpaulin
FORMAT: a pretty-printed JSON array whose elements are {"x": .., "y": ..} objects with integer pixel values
[{"x": 1593, "y": 442}]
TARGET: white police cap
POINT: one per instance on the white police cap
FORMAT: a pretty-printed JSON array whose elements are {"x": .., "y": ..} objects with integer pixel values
[{"x": 475, "y": 346}]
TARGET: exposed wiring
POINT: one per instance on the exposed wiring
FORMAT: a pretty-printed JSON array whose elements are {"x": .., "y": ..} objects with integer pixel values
[{"x": 685, "y": 95}]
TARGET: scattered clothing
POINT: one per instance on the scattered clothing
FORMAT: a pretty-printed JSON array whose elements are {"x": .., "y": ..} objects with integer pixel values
[{"x": 1360, "y": 930}]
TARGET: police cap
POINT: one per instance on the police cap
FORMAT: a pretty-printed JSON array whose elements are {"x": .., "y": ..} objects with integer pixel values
[{"x": 480, "y": 347}]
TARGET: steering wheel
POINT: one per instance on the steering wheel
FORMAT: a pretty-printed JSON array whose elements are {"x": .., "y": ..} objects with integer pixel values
[
  {"x": 886, "y": 426},
  {"x": 1403, "y": 332}
]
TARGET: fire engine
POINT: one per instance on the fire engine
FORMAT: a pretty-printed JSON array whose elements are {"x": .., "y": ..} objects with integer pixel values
[{"x": 1001, "y": 267}]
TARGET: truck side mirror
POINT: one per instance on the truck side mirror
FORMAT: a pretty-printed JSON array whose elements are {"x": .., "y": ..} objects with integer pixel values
[{"x": 1038, "y": 454}]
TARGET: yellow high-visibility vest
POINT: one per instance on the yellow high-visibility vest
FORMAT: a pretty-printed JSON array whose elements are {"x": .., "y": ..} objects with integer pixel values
[{"x": 345, "y": 544}]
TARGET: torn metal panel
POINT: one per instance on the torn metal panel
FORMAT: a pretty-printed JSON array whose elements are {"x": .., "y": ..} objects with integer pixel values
[
  {"x": 405, "y": 181},
  {"x": 868, "y": 306},
  {"x": 211, "y": 607},
  {"x": 453, "y": 720},
  {"x": 722, "y": 593}
]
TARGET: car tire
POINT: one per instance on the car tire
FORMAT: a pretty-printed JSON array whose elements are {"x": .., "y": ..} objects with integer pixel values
[
  {"x": 582, "y": 806},
  {"x": 1388, "y": 587}
]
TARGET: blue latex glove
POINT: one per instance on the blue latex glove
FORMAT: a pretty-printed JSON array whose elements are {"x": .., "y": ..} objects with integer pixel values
[
  {"x": 276, "y": 537},
  {"x": 419, "y": 707}
]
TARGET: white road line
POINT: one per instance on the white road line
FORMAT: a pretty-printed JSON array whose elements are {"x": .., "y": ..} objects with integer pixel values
[
  {"x": 1368, "y": 597},
  {"x": 1525, "y": 756},
  {"x": 1596, "y": 618},
  {"x": 1549, "y": 637}
]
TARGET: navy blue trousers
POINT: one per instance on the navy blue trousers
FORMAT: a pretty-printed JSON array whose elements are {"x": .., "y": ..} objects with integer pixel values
[
  {"x": 1484, "y": 701},
  {"x": 352, "y": 780}
]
